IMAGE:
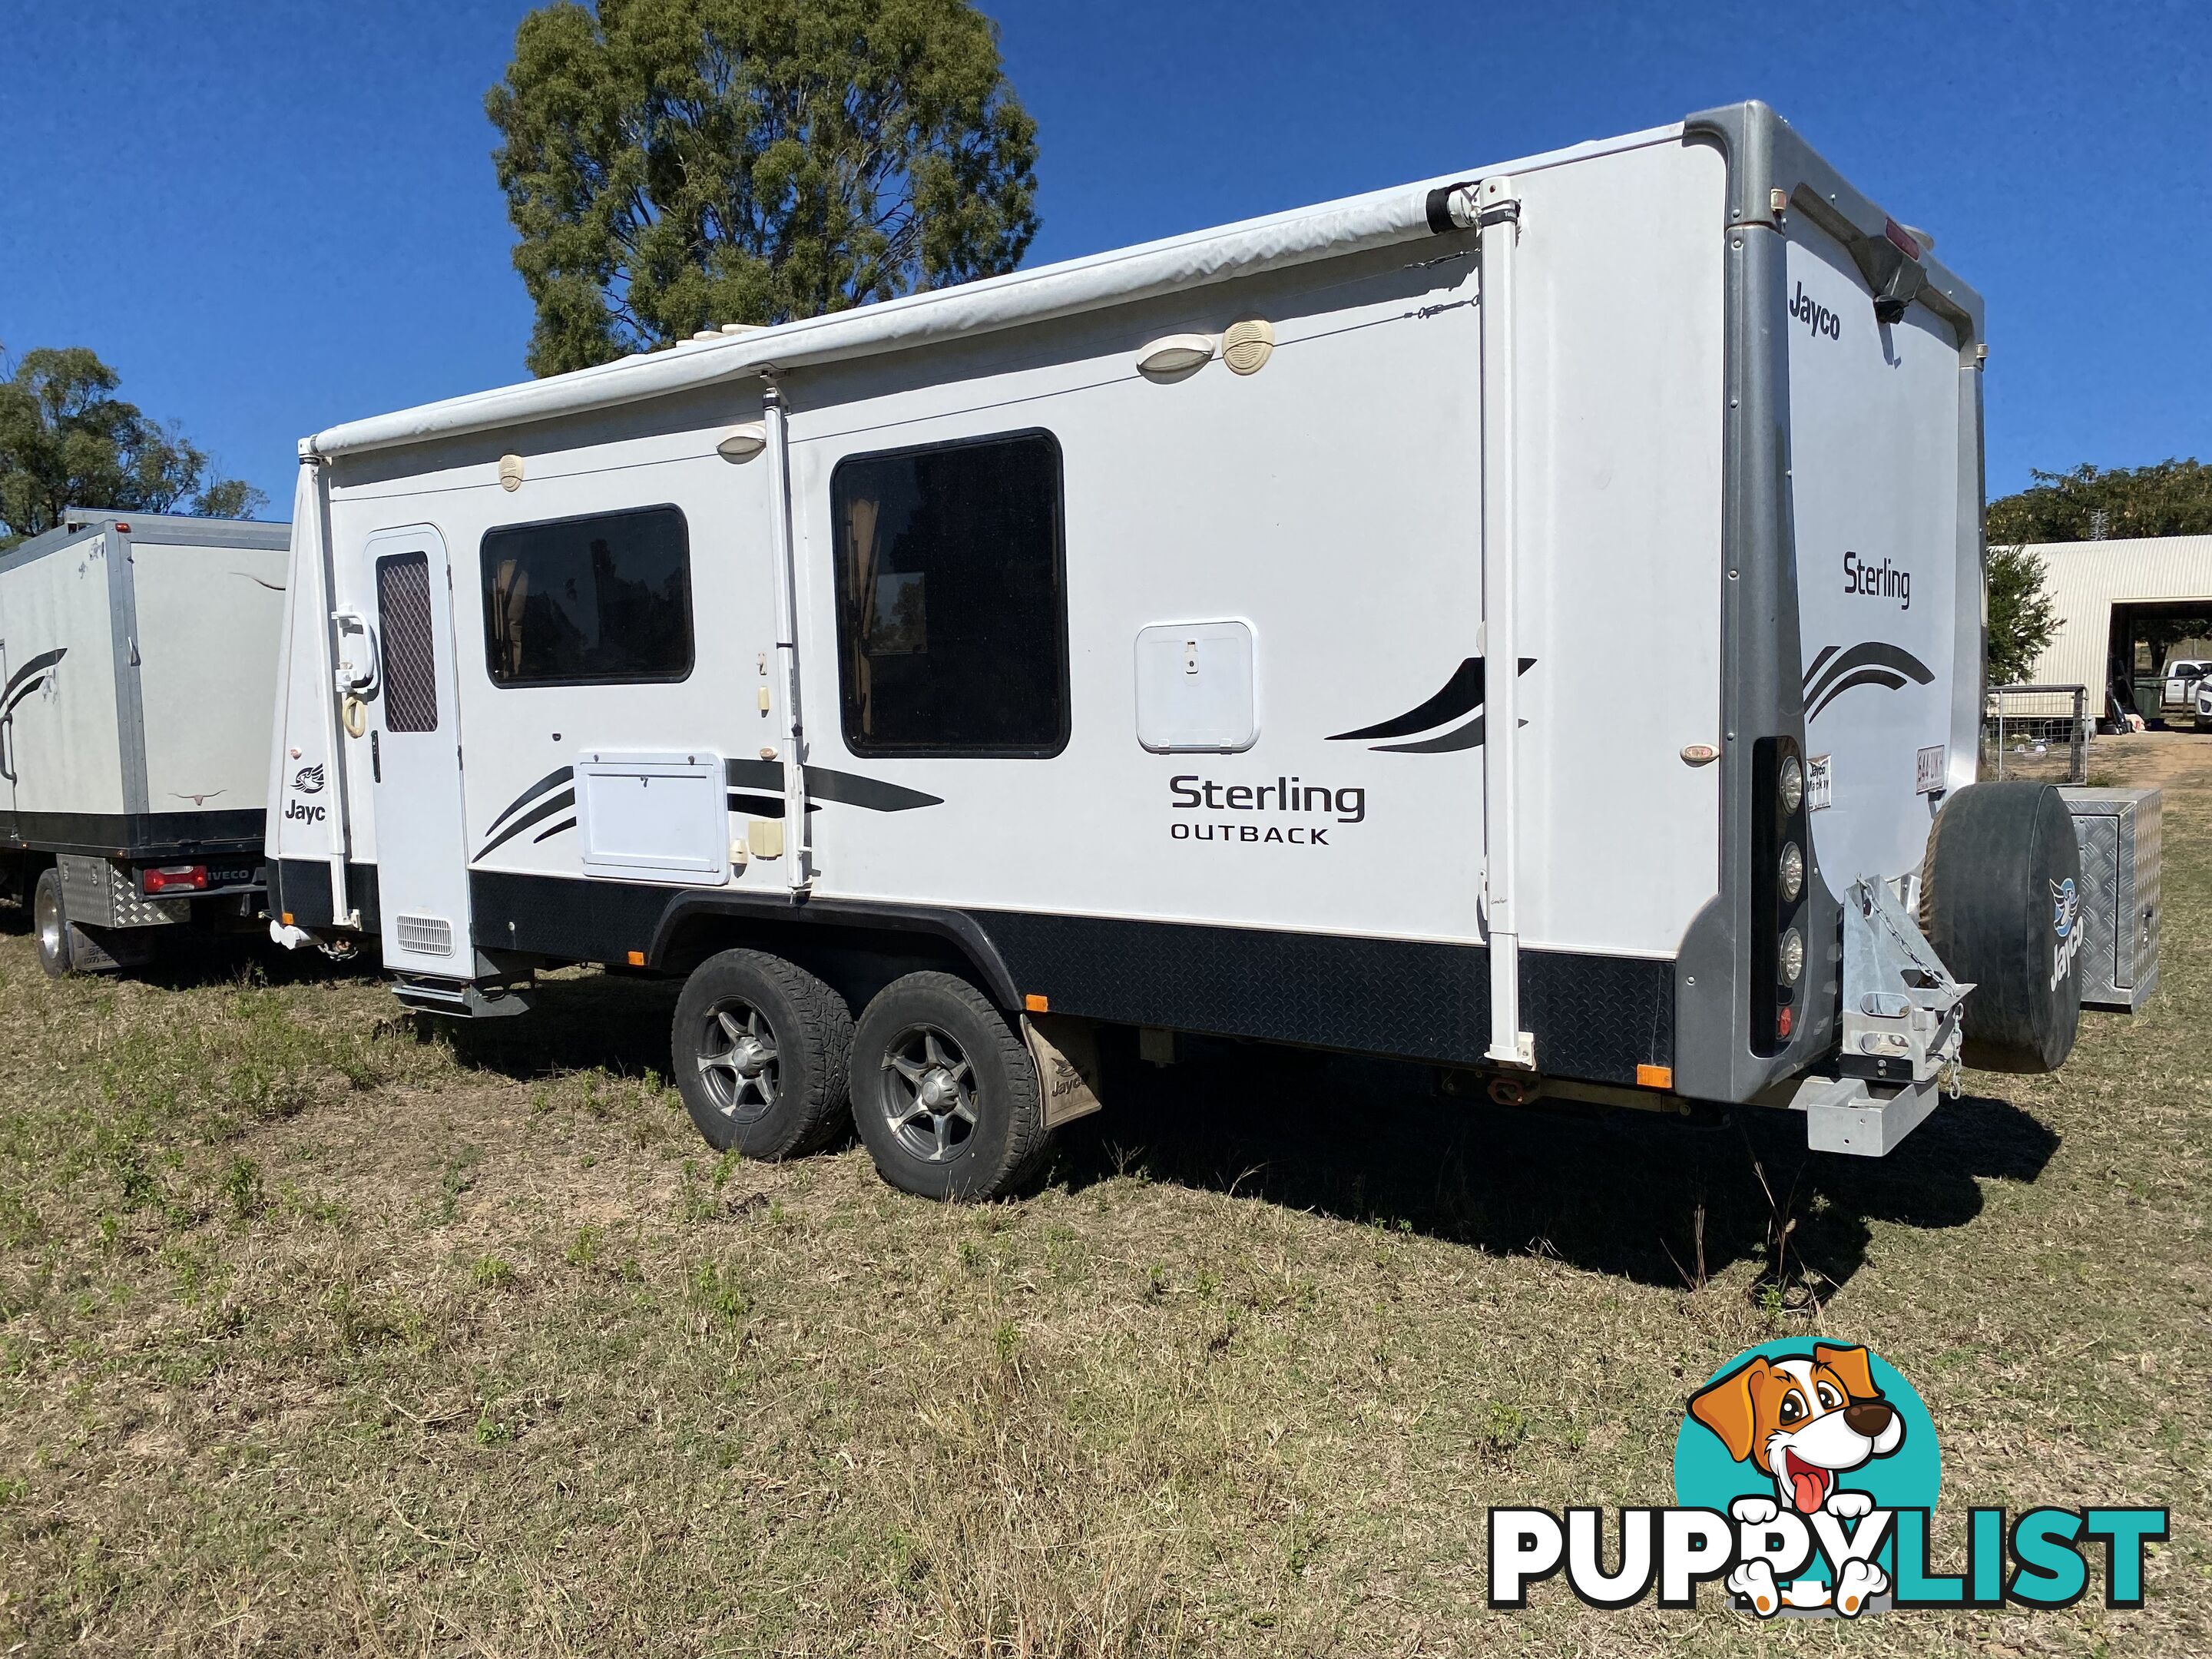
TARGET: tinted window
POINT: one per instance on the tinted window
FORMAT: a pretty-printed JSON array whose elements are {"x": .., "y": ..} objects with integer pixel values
[
  {"x": 605, "y": 598},
  {"x": 951, "y": 616}
]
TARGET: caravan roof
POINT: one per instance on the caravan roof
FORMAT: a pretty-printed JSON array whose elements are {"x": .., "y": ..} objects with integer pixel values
[{"x": 1199, "y": 258}]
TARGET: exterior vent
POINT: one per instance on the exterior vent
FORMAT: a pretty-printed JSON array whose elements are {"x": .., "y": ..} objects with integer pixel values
[{"x": 428, "y": 936}]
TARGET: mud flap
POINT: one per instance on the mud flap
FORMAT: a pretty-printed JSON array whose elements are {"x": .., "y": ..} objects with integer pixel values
[
  {"x": 106, "y": 950},
  {"x": 1065, "y": 1051}
]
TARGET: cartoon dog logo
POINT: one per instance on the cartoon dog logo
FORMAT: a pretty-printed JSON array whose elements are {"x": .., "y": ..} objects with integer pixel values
[{"x": 1803, "y": 1424}]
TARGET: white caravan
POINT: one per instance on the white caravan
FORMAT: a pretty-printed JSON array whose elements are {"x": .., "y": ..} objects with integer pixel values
[
  {"x": 137, "y": 655},
  {"x": 1121, "y": 644}
]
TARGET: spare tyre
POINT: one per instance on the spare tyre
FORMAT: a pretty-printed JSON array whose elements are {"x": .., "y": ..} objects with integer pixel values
[{"x": 2001, "y": 901}]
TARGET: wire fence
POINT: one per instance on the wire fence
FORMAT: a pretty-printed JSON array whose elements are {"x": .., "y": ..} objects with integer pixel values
[{"x": 2036, "y": 731}]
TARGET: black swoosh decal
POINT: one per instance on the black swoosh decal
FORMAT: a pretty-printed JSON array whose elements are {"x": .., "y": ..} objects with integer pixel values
[
  {"x": 1462, "y": 694},
  {"x": 822, "y": 785},
  {"x": 1465, "y": 737},
  {"x": 754, "y": 775},
  {"x": 764, "y": 807},
  {"x": 559, "y": 774},
  {"x": 24, "y": 680},
  {"x": 848, "y": 789},
  {"x": 1826, "y": 652},
  {"x": 1871, "y": 652},
  {"x": 538, "y": 814},
  {"x": 1880, "y": 677}
]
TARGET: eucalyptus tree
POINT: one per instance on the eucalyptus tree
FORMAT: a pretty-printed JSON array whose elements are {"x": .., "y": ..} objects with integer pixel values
[{"x": 673, "y": 165}]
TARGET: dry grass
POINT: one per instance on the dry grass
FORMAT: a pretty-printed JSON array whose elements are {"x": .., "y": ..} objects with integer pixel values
[{"x": 321, "y": 1332}]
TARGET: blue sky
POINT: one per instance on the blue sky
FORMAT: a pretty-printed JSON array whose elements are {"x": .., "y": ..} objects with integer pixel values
[{"x": 270, "y": 217}]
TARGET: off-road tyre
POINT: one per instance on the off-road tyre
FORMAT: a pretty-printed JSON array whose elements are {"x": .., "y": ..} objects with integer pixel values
[
  {"x": 2001, "y": 900},
  {"x": 1006, "y": 1142},
  {"x": 809, "y": 1034}
]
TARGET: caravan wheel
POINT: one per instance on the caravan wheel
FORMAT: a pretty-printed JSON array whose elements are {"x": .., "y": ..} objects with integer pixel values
[
  {"x": 760, "y": 1048},
  {"x": 52, "y": 923},
  {"x": 944, "y": 1093}
]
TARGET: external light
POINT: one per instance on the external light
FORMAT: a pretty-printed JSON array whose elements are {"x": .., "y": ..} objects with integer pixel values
[
  {"x": 743, "y": 442},
  {"x": 1793, "y": 957},
  {"x": 1793, "y": 783},
  {"x": 1174, "y": 356},
  {"x": 1793, "y": 872},
  {"x": 177, "y": 878}
]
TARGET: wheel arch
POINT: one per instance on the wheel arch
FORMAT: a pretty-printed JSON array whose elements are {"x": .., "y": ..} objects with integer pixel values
[{"x": 835, "y": 939}]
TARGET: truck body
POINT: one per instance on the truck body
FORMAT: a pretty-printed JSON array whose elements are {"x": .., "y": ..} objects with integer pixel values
[{"x": 137, "y": 653}]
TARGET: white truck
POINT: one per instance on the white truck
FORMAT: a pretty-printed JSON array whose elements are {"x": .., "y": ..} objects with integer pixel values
[
  {"x": 2184, "y": 675},
  {"x": 1186, "y": 639},
  {"x": 138, "y": 672}
]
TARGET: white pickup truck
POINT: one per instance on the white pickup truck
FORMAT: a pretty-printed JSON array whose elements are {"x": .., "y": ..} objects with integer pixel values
[{"x": 2183, "y": 676}]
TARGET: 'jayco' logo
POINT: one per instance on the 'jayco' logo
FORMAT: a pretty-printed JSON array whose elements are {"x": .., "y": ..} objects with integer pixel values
[
  {"x": 2065, "y": 924},
  {"x": 1816, "y": 317},
  {"x": 307, "y": 781}
]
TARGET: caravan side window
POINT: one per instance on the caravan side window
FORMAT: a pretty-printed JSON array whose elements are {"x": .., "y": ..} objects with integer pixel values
[
  {"x": 952, "y": 599},
  {"x": 584, "y": 601}
]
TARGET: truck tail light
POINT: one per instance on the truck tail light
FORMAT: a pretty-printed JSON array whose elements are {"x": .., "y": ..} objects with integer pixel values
[
  {"x": 1780, "y": 953},
  {"x": 176, "y": 879}
]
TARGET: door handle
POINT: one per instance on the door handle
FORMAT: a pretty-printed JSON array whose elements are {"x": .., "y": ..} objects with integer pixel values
[
  {"x": 7, "y": 747},
  {"x": 360, "y": 679}
]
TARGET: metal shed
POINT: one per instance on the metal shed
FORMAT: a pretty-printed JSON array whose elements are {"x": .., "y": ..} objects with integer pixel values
[{"x": 2123, "y": 606}]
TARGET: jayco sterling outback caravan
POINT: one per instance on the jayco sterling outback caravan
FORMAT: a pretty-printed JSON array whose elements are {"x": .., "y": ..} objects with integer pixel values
[{"x": 1527, "y": 622}]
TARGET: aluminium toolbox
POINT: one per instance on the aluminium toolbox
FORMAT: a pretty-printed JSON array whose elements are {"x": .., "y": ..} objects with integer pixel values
[{"x": 2119, "y": 833}]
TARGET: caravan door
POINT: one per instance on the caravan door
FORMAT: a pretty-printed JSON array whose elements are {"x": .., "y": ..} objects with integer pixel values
[{"x": 422, "y": 873}]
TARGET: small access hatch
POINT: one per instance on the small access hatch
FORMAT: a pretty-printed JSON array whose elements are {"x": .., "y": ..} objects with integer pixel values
[
  {"x": 1194, "y": 688},
  {"x": 648, "y": 818}
]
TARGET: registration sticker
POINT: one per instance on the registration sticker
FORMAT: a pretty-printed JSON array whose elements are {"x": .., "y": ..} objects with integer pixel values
[
  {"x": 1928, "y": 771},
  {"x": 1819, "y": 784}
]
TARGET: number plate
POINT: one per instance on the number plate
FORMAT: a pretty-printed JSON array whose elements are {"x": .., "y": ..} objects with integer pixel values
[{"x": 1928, "y": 771}]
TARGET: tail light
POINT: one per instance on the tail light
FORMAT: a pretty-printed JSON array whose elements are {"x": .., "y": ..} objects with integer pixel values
[
  {"x": 176, "y": 879},
  {"x": 1780, "y": 953}
]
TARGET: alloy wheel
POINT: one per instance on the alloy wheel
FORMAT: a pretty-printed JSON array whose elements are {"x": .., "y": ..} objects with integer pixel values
[
  {"x": 929, "y": 1093},
  {"x": 737, "y": 1060}
]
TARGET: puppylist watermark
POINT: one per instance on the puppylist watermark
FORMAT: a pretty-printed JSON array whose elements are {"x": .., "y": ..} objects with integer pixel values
[{"x": 1805, "y": 1483}]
